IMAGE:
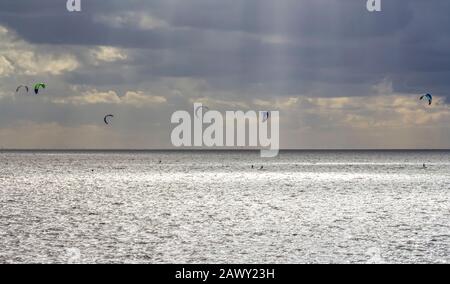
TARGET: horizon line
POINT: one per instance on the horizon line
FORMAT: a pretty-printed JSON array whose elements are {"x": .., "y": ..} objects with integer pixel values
[{"x": 207, "y": 149}]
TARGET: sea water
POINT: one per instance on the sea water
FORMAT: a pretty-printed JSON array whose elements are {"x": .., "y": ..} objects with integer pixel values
[{"x": 214, "y": 207}]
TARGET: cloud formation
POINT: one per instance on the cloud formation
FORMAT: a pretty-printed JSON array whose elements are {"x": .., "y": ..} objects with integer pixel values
[
  {"x": 131, "y": 98},
  {"x": 18, "y": 57},
  {"x": 341, "y": 77},
  {"x": 108, "y": 54}
]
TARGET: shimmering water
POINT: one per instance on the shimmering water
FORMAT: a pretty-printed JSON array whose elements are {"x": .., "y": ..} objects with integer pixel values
[{"x": 212, "y": 207}]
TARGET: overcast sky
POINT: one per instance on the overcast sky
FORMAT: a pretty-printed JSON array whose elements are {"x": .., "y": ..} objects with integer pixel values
[{"x": 340, "y": 76}]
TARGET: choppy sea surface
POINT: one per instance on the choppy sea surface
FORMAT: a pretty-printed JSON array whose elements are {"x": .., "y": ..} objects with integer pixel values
[{"x": 212, "y": 207}]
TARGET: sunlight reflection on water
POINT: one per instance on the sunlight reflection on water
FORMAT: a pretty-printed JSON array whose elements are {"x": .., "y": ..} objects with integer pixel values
[{"x": 352, "y": 207}]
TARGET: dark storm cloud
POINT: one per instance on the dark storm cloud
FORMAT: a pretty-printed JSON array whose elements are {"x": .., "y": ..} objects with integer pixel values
[
  {"x": 46, "y": 21},
  {"x": 313, "y": 18},
  {"x": 283, "y": 53},
  {"x": 282, "y": 46}
]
